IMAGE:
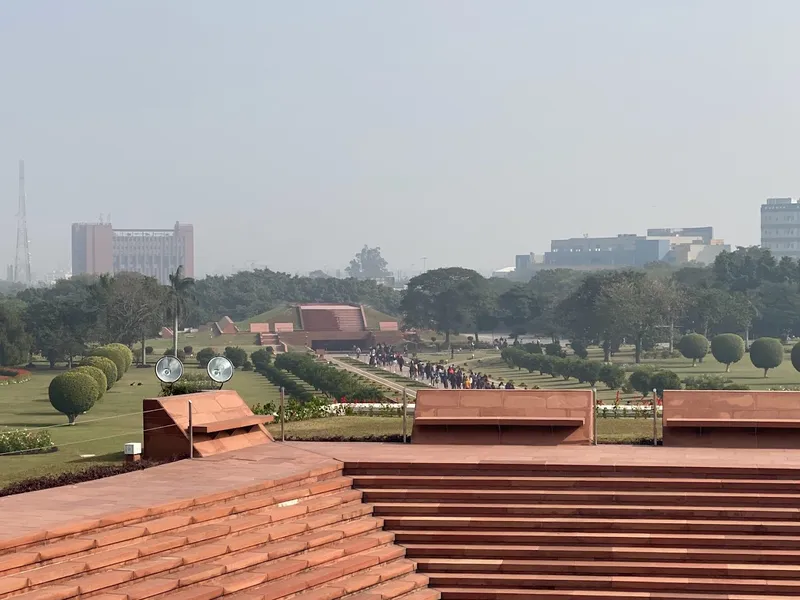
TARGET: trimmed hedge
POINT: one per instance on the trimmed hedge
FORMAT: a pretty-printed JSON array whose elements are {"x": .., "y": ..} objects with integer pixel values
[
  {"x": 331, "y": 381},
  {"x": 116, "y": 356},
  {"x": 106, "y": 365},
  {"x": 585, "y": 371},
  {"x": 98, "y": 376},
  {"x": 125, "y": 352},
  {"x": 282, "y": 379}
]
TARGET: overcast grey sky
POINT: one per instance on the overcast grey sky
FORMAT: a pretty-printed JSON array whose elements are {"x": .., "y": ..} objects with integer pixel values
[{"x": 290, "y": 133}]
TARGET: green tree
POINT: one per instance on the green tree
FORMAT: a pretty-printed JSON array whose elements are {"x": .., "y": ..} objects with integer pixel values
[
  {"x": 15, "y": 343},
  {"x": 632, "y": 308},
  {"x": 727, "y": 348},
  {"x": 444, "y": 300},
  {"x": 180, "y": 290},
  {"x": 368, "y": 264},
  {"x": 519, "y": 306},
  {"x": 766, "y": 353},
  {"x": 694, "y": 346},
  {"x": 584, "y": 315},
  {"x": 135, "y": 309},
  {"x": 73, "y": 393}
]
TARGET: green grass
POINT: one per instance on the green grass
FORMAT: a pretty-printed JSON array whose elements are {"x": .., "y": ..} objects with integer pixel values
[
  {"x": 743, "y": 372},
  {"x": 609, "y": 431},
  {"x": 102, "y": 432},
  {"x": 343, "y": 426}
]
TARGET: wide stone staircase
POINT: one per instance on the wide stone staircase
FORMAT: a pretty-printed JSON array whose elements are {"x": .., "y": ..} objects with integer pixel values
[
  {"x": 558, "y": 532},
  {"x": 311, "y": 538}
]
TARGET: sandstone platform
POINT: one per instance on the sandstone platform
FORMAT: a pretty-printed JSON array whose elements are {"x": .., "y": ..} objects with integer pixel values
[{"x": 361, "y": 521}]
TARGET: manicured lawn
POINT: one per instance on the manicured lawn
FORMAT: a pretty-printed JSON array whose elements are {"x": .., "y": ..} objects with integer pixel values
[
  {"x": 343, "y": 426},
  {"x": 102, "y": 432},
  {"x": 609, "y": 431}
]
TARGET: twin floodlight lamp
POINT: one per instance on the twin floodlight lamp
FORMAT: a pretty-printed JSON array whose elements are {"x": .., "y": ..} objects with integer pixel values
[{"x": 169, "y": 369}]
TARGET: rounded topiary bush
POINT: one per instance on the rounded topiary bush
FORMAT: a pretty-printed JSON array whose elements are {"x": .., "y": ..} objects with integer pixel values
[
  {"x": 727, "y": 348},
  {"x": 114, "y": 355},
  {"x": 106, "y": 365},
  {"x": 694, "y": 346},
  {"x": 796, "y": 356},
  {"x": 188, "y": 350},
  {"x": 665, "y": 380},
  {"x": 766, "y": 353},
  {"x": 204, "y": 356},
  {"x": 98, "y": 375},
  {"x": 148, "y": 349},
  {"x": 126, "y": 352},
  {"x": 73, "y": 393}
]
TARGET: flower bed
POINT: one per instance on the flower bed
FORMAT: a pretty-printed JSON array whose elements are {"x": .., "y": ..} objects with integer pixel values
[
  {"x": 25, "y": 441},
  {"x": 12, "y": 375}
]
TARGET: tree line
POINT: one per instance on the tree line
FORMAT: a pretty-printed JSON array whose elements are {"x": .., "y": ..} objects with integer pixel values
[
  {"x": 64, "y": 320},
  {"x": 746, "y": 291}
]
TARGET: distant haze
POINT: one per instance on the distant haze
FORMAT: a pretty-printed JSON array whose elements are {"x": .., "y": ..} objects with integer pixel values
[{"x": 292, "y": 133}]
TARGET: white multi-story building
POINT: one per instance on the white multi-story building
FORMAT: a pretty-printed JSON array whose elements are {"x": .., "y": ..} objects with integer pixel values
[{"x": 780, "y": 227}]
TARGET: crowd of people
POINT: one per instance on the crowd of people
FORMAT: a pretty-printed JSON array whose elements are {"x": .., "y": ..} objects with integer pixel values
[{"x": 435, "y": 374}]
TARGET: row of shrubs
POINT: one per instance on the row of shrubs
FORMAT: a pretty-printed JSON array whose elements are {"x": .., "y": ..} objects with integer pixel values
[
  {"x": 13, "y": 375},
  {"x": 332, "y": 382},
  {"x": 643, "y": 379},
  {"x": 76, "y": 391},
  {"x": 728, "y": 348},
  {"x": 585, "y": 371}
]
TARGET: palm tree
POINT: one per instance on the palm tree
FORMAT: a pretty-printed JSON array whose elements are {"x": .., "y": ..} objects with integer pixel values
[{"x": 180, "y": 289}]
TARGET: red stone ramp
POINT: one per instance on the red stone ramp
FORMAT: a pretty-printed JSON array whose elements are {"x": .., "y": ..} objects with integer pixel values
[
  {"x": 306, "y": 535},
  {"x": 221, "y": 422}
]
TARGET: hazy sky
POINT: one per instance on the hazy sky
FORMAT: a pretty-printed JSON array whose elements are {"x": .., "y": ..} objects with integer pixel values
[{"x": 290, "y": 133}]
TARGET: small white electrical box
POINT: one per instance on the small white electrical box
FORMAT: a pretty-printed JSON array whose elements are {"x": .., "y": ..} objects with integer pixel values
[{"x": 133, "y": 448}]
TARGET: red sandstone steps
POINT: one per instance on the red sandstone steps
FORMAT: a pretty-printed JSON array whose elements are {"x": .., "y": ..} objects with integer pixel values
[
  {"x": 581, "y": 538},
  {"x": 315, "y": 539},
  {"x": 622, "y": 583},
  {"x": 412, "y": 480},
  {"x": 631, "y": 511},
  {"x": 607, "y": 567},
  {"x": 298, "y": 485},
  {"x": 567, "y": 470},
  {"x": 167, "y": 553},
  {"x": 192, "y": 525},
  {"x": 509, "y": 496},
  {"x": 420, "y": 552},
  {"x": 514, "y": 523},
  {"x": 458, "y": 593}
]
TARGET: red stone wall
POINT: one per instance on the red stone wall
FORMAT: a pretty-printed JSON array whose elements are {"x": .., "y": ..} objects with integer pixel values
[
  {"x": 504, "y": 403},
  {"x": 752, "y": 405}
]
